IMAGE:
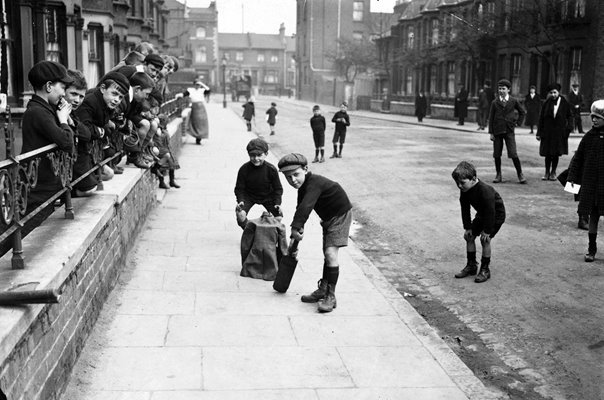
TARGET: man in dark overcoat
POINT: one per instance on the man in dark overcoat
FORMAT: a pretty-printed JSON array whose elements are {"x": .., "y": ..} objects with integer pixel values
[{"x": 461, "y": 104}]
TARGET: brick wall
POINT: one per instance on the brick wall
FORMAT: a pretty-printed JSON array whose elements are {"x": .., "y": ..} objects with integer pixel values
[{"x": 50, "y": 337}]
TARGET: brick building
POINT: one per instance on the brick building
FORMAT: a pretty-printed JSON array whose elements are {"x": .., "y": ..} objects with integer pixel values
[
  {"x": 437, "y": 44},
  {"x": 89, "y": 35}
]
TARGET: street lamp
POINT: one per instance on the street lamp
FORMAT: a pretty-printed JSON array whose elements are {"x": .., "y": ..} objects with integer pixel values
[{"x": 224, "y": 64}]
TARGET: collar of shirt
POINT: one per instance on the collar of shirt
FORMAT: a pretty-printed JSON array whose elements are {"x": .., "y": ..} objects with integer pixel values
[{"x": 504, "y": 99}]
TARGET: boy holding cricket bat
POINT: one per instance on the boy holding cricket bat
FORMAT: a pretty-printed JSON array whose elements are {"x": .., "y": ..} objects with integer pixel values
[{"x": 331, "y": 203}]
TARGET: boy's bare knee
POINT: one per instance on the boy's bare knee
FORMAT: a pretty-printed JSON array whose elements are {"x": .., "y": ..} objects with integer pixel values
[{"x": 331, "y": 255}]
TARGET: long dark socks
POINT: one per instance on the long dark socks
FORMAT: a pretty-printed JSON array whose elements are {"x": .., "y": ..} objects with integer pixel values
[
  {"x": 322, "y": 153},
  {"x": 498, "y": 165},
  {"x": 554, "y": 163},
  {"x": 335, "y": 148},
  {"x": 471, "y": 257},
  {"x": 484, "y": 262},
  {"x": 341, "y": 146},
  {"x": 548, "y": 164},
  {"x": 316, "y": 153},
  {"x": 332, "y": 275},
  {"x": 516, "y": 165},
  {"x": 592, "y": 243}
]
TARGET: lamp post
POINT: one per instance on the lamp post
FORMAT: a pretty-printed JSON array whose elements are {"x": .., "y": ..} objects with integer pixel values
[{"x": 224, "y": 64}]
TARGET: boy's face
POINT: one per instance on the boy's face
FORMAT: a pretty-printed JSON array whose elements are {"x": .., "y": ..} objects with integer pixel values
[
  {"x": 296, "y": 177},
  {"x": 56, "y": 91},
  {"x": 152, "y": 70},
  {"x": 503, "y": 91},
  {"x": 257, "y": 158},
  {"x": 343, "y": 108},
  {"x": 74, "y": 96},
  {"x": 466, "y": 184},
  {"x": 141, "y": 94},
  {"x": 597, "y": 121},
  {"x": 554, "y": 94},
  {"x": 112, "y": 96},
  {"x": 316, "y": 112}
]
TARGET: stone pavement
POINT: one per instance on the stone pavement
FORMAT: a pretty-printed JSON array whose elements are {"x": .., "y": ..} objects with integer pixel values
[{"x": 182, "y": 323}]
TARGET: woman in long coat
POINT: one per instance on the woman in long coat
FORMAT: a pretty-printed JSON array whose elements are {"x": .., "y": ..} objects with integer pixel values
[
  {"x": 555, "y": 124},
  {"x": 461, "y": 105},
  {"x": 421, "y": 106},
  {"x": 198, "y": 118},
  {"x": 532, "y": 104}
]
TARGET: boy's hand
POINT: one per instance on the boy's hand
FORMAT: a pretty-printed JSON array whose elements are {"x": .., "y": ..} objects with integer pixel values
[
  {"x": 239, "y": 206},
  {"x": 467, "y": 235},
  {"x": 63, "y": 112},
  {"x": 485, "y": 237},
  {"x": 491, "y": 137},
  {"x": 297, "y": 234}
]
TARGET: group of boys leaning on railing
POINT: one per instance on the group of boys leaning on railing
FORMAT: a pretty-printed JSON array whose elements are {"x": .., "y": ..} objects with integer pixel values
[{"x": 75, "y": 137}]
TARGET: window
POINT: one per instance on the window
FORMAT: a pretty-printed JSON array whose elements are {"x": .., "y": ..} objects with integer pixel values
[
  {"x": 516, "y": 66},
  {"x": 575, "y": 65},
  {"x": 491, "y": 14},
  {"x": 201, "y": 55},
  {"x": 200, "y": 32},
  {"x": 270, "y": 77},
  {"x": 433, "y": 79},
  {"x": 239, "y": 56},
  {"x": 357, "y": 10},
  {"x": 357, "y": 36},
  {"x": 260, "y": 57},
  {"x": 435, "y": 32},
  {"x": 451, "y": 78},
  {"x": 274, "y": 57},
  {"x": 53, "y": 48},
  {"x": 577, "y": 8},
  {"x": 409, "y": 81},
  {"x": 410, "y": 38}
]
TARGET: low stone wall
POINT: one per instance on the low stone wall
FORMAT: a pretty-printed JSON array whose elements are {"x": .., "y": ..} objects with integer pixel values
[
  {"x": 39, "y": 344},
  {"x": 438, "y": 111}
]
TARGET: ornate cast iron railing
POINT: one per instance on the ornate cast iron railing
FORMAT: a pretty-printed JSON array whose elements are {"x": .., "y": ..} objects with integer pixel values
[{"x": 19, "y": 174}]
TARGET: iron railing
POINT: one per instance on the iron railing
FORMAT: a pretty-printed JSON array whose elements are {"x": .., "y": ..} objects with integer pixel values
[{"x": 19, "y": 175}]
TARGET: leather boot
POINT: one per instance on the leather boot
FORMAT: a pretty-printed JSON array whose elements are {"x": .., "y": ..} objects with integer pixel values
[
  {"x": 498, "y": 178},
  {"x": 484, "y": 274},
  {"x": 162, "y": 184},
  {"x": 469, "y": 269},
  {"x": 172, "y": 181},
  {"x": 583, "y": 222},
  {"x": 591, "y": 253},
  {"x": 317, "y": 294},
  {"x": 329, "y": 301}
]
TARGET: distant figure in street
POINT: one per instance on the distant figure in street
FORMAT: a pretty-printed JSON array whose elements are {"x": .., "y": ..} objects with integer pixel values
[
  {"x": 461, "y": 104},
  {"x": 502, "y": 123},
  {"x": 317, "y": 124},
  {"x": 586, "y": 167},
  {"x": 532, "y": 104},
  {"x": 576, "y": 102},
  {"x": 198, "y": 117},
  {"x": 342, "y": 121},
  {"x": 332, "y": 205},
  {"x": 271, "y": 117},
  {"x": 421, "y": 106},
  {"x": 490, "y": 215},
  {"x": 483, "y": 109},
  {"x": 257, "y": 183},
  {"x": 555, "y": 124},
  {"x": 249, "y": 113}
]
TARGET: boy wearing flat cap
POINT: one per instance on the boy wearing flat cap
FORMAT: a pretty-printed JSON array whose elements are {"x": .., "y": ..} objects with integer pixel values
[
  {"x": 502, "y": 123},
  {"x": 257, "y": 183},
  {"x": 153, "y": 65},
  {"x": 46, "y": 121},
  {"x": 331, "y": 204}
]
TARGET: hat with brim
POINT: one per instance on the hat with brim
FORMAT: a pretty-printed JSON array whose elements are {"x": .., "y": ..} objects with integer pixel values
[
  {"x": 553, "y": 86},
  {"x": 48, "y": 71},
  {"x": 504, "y": 82},
  {"x": 292, "y": 161},
  {"x": 257, "y": 145},
  {"x": 155, "y": 60},
  {"x": 119, "y": 79}
]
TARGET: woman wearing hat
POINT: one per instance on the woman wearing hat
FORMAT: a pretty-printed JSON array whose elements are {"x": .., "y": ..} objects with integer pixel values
[
  {"x": 198, "y": 118},
  {"x": 532, "y": 104},
  {"x": 555, "y": 124}
]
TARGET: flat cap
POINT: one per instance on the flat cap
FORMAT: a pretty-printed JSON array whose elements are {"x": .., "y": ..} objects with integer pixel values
[
  {"x": 120, "y": 80},
  {"x": 257, "y": 145},
  {"x": 155, "y": 59},
  {"x": 344, "y": 103},
  {"x": 554, "y": 86},
  {"x": 292, "y": 161},
  {"x": 48, "y": 71},
  {"x": 504, "y": 82}
]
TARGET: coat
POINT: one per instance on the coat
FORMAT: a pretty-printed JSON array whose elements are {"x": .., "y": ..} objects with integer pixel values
[
  {"x": 263, "y": 243},
  {"x": 249, "y": 111},
  {"x": 421, "y": 106},
  {"x": 503, "y": 118},
  {"x": 461, "y": 104},
  {"x": 271, "y": 115},
  {"x": 575, "y": 100},
  {"x": 587, "y": 167},
  {"x": 553, "y": 131},
  {"x": 533, "y": 108}
]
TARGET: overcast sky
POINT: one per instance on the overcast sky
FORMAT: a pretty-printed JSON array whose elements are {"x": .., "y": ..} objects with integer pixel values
[{"x": 264, "y": 16}]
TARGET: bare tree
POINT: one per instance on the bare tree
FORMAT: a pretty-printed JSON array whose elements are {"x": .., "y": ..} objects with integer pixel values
[{"x": 352, "y": 57}]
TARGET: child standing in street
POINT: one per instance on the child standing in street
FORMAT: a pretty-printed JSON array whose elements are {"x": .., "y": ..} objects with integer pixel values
[
  {"x": 331, "y": 203},
  {"x": 586, "y": 167},
  {"x": 490, "y": 215},
  {"x": 249, "y": 113},
  {"x": 257, "y": 183},
  {"x": 317, "y": 124},
  {"x": 271, "y": 117},
  {"x": 342, "y": 120}
]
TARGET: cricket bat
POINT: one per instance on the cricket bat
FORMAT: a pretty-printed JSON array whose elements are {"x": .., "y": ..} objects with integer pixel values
[{"x": 287, "y": 266}]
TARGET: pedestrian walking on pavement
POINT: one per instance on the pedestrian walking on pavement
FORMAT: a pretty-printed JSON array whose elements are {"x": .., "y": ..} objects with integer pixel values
[
  {"x": 506, "y": 113},
  {"x": 421, "y": 106},
  {"x": 331, "y": 203},
  {"x": 198, "y": 117},
  {"x": 318, "y": 125},
  {"x": 271, "y": 117},
  {"x": 490, "y": 215},
  {"x": 257, "y": 183},
  {"x": 249, "y": 112},
  {"x": 483, "y": 109},
  {"x": 575, "y": 98},
  {"x": 587, "y": 167},
  {"x": 555, "y": 124},
  {"x": 461, "y": 104},
  {"x": 342, "y": 121},
  {"x": 532, "y": 104}
]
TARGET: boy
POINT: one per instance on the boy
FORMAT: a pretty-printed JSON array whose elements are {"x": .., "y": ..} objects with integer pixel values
[
  {"x": 342, "y": 120},
  {"x": 502, "y": 121},
  {"x": 331, "y": 203},
  {"x": 142, "y": 85},
  {"x": 490, "y": 215},
  {"x": 257, "y": 183},
  {"x": 271, "y": 117},
  {"x": 317, "y": 124}
]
